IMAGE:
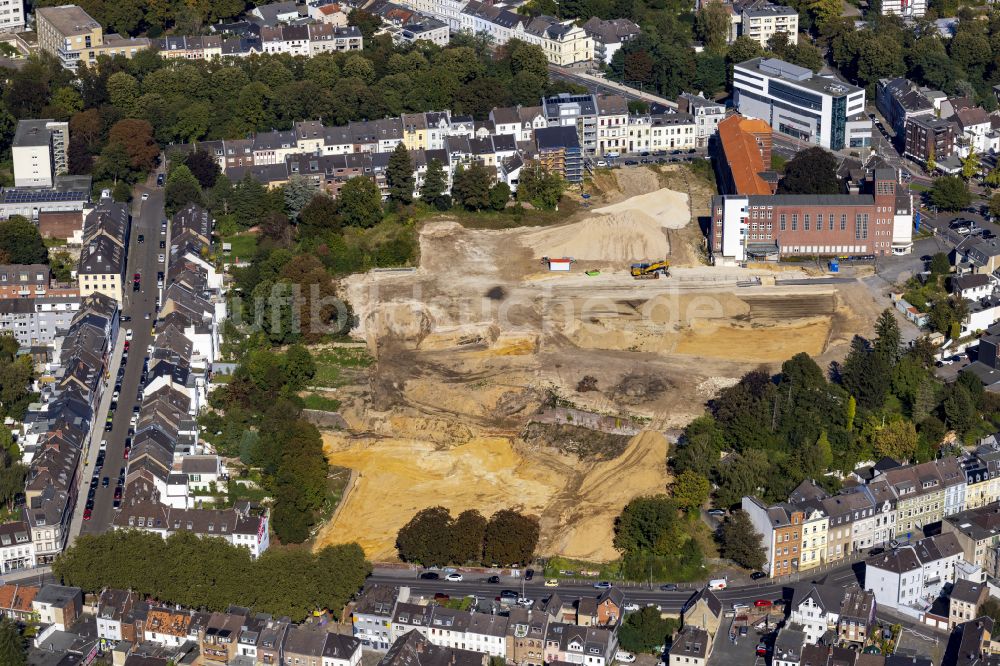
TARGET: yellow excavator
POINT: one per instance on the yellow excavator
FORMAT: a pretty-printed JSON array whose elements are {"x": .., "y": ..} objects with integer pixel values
[{"x": 651, "y": 271}]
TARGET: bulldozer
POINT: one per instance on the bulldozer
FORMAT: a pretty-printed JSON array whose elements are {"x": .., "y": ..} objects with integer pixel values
[{"x": 651, "y": 271}]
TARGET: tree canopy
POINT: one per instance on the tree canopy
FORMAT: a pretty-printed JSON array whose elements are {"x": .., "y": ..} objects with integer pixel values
[{"x": 434, "y": 538}]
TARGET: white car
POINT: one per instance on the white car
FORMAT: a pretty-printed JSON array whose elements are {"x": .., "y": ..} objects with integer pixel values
[
  {"x": 454, "y": 577},
  {"x": 631, "y": 608},
  {"x": 624, "y": 657},
  {"x": 145, "y": 195},
  {"x": 149, "y": 350},
  {"x": 602, "y": 163},
  {"x": 159, "y": 258},
  {"x": 525, "y": 602},
  {"x": 114, "y": 396},
  {"x": 128, "y": 334},
  {"x": 104, "y": 445}
]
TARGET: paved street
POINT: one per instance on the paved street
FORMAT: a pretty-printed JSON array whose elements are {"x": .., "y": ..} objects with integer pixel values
[
  {"x": 475, "y": 584},
  {"x": 142, "y": 258}
]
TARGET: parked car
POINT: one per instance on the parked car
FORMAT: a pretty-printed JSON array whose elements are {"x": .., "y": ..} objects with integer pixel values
[
  {"x": 86, "y": 514},
  {"x": 160, "y": 179},
  {"x": 631, "y": 607},
  {"x": 105, "y": 482},
  {"x": 429, "y": 575},
  {"x": 493, "y": 580},
  {"x": 529, "y": 574},
  {"x": 717, "y": 512},
  {"x": 624, "y": 657},
  {"x": 525, "y": 602},
  {"x": 740, "y": 606},
  {"x": 145, "y": 195},
  {"x": 762, "y": 603},
  {"x": 603, "y": 585},
  {"x": 455, "y": 577},
  {"x": 669, "y": 587},
  {"x": 552, "y": 582},
  {"x": 757, "y": 575}
]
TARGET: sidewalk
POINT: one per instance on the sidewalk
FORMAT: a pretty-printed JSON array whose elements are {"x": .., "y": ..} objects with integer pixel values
[{"x": 96, "y": 435}]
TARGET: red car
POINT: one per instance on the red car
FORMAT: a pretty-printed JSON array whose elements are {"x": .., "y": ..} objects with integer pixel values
[
  {"x": 118, "y": 493},
  {"x": 126, "y": 345},
  {"x": 86, "y": 514},
  {"x": 126, "y": 454},
  {"x": 762, "y": 603}
]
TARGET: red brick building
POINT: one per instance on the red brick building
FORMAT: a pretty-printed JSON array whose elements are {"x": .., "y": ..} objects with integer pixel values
[{"x": 754, "y": 227}]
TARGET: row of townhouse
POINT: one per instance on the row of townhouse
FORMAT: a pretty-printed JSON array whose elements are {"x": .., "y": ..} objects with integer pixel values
[
  {"x": 55, "y": 434},
  {"x": 297, "y": 40},
  {"x": 559, "y": 132},
  {"x": 235, "y": 636},
  {"x": 578, "y": 631},
  {"x": 880, "y": 503},
  {"x": 103, "y": 258},
  {"x": 167, "y": 465}
]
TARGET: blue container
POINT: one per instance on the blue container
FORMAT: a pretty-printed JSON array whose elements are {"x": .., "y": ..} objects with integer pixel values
[{"x": 834, "y": 266}]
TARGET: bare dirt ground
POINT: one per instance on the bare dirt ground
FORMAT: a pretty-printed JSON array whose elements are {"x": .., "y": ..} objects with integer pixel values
[{"x": 474, "y": 342}]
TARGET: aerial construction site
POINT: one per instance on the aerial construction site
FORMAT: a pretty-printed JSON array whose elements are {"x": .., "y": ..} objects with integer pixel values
[{"x": 500, "y": 383}]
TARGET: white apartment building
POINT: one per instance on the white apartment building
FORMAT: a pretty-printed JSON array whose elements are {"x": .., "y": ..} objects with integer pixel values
[
  {"x": 707, "y": 115},
  {"x": 816, "y": 110},
  {"x": 666, "y": 132},
  {"x": 912, "y": 8},
  {"x": 11, "y": 15},
  {"x": 760, "y": 22},
  {"x": 910, "y": 577},
  {"x": 16, "y": 549},
  {"x": 39, "y": 152}
]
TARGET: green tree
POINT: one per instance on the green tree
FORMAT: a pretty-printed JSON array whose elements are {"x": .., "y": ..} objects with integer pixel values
[
  {"x": 399, "y": 174},
  {"x": 540, "y": 187},
  {"x": 970, "y": 165},
  {"x": 366, "y": 22},
  {"x": 740, "y": 542},
  {"x": 432, "y": 191},
  {"x": 426, "y": 539},
  {"x": 646, "y": 630},
  {"x": 852, "y": 411},
  {"x": 471, "y": 187},
  {"x": 866, "y": 374},
  {"x": 204, "y": 167},
  {"x": 995, "y": 206},
  {"x": 499, "y": 196},
  {"x": 888, "y": 339},
  {"x": 510, "y": 538},
  {"x": 123, "y": 91},
  {"x": 20, "y": 242},
  {"x": 136, "y": 136},
  {"x": 940, "y": 264},
  {"x": 466, "y": 536},
  {"x": 711, "y": 26},
  {"x": 182, "y": 189},
  {"x": 698, "y": 449},
  {"x": 819, "y": 456},
  {"x": 298, "y": 191},
  {"x": 950, "y": 193},
  {"x": 897, "y": 440},
  {"x": 811, "y": 171},
  {"x": 959, "y": 409},
  {"x": 360, "y": 203},
  {"x": 13, "y": 649},
  {"x": 649, "y": 524},
  {"x": 931, "y": 164},
  {"x": 319, "y": 217},
  {"x": 690, "y": 491}
]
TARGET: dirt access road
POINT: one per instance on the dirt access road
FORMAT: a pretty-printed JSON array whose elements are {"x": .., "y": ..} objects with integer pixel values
[{"x": 474, "y": 342}]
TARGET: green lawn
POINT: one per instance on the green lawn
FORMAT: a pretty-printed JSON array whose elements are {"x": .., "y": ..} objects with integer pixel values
[
  {"x": 244, "y": 245},
  {"x": 331, "y": 364},
  {"x": 321, "y": 402}
]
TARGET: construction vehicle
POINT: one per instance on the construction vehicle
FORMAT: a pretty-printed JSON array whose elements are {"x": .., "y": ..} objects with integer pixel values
[{"x": 651, "y": 271}]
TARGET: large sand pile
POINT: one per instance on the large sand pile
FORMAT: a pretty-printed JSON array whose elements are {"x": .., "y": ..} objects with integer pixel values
[
  {"x": 577, "y": 502},
  {"x": 667, "y": 207},
  {"x": 630, "y": 230}
]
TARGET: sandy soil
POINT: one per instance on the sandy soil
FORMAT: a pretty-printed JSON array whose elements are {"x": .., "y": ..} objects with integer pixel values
[
  {"x": 474, "y": 342},
  {"x": 489, "y": 473}
]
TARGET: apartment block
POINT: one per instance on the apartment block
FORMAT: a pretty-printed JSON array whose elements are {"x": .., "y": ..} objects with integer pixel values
[
  {"x": 927, "y": 137},
  {"x": 70, "y": 35},
  {"x": 609, "y": 36},
  {"x": 760, "y": 21},
  {"x": 559, "y": 152},
  {"x": 780, "y": 526},
  {"x": 771, "y": 226},
  {"x": 707, "y": 114},
  {"x": 11, "y": 15},
  {"x": 913, "y": 575},
  {"x": 909, "y": 8},
  {"x": 39, "y": 152},
  {"x": 816, "y": 110}
]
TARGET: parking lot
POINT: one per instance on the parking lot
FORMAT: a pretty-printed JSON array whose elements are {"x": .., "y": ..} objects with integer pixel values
[
  {"x": 732, "y": 646},
  {"x": 612, "y": 161}
]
